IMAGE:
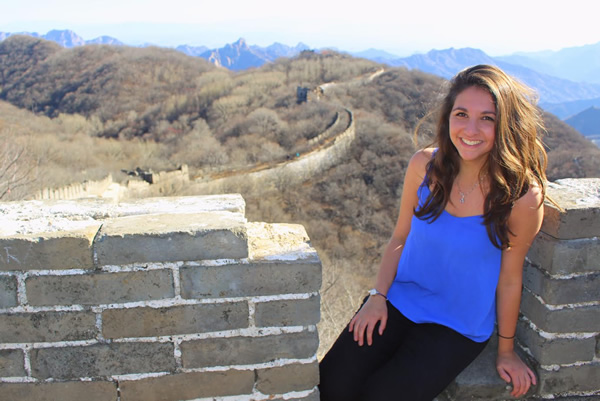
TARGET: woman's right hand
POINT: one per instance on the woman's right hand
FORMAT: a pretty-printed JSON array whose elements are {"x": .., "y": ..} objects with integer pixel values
[{"x": 365, "y": 320}]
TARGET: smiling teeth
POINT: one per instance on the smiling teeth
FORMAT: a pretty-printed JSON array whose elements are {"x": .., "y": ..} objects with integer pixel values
[{"x": 471, "y": 142}]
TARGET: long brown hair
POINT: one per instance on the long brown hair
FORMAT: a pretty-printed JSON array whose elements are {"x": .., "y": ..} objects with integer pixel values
[{"x": 516, "y": 161}]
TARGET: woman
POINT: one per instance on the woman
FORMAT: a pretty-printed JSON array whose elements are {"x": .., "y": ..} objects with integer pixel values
[{"x": 452, "y": 269}]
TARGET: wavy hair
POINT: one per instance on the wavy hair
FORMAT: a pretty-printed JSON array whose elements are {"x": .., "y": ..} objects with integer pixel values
[{"x": 517, "y": 160}]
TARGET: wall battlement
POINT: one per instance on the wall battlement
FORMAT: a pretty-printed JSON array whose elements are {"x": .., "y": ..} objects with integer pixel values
[{"x": 159, "y": 299}]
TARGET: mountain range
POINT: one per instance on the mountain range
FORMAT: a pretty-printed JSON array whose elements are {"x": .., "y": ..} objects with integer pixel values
[{"x": 567, "y": 81}]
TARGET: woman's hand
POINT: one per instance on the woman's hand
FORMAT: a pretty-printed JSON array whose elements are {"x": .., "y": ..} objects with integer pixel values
[
  {"x": 512, "y": 369},
  {"x": 373, "y": 311}
]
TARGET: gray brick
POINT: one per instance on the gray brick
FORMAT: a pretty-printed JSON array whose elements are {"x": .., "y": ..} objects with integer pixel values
[
  {"x": 11, "y": 363},
  {"x": 172, "y": 237},
  {"x": 570, "y": 379},
  {"x": 248, "y": 350},
  {"x": 236, "y": 280},
  {"x": 314, "y": 396},
  {"x": 288, "y": 378},
  {"x": 47, "y": 326},
  {"x": 579, "y": 198},
  {"x": 100, "y": 288},
  {"x": 185, "y": 319},
  {"x": 102, "y": 360},
  {"x": 556, "y": 351},
  {"x": 65, "y": 391},
  {"x": 565, "y": 256},
  {"x": 56, "y": 250},
  {"x": 577, "y": 289},
  {"x": 567, "y": 320},
  {"x": 295, "y": 312},
  {"x": 8, "y": 292},
  {"x": 187, "y": 386}
]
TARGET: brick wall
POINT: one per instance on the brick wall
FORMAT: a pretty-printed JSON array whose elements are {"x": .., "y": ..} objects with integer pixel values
[{"x": 159, "y": 299}]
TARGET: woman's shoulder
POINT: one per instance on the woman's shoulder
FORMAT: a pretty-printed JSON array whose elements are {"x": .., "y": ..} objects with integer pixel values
[{"x": 420, "y": 159}]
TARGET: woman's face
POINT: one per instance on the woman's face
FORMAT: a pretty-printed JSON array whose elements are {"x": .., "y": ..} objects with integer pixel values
[{"x": 473, "y": 124}]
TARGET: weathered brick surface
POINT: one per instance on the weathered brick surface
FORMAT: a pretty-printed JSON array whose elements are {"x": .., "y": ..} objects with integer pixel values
[
  {"x": 294, "y": 312},
  {"x": 237, "y": 280},
  {"x": 556, "y": 351},
  {"x": 248, "y": 350},
  {"x": 172, "y": 237},
  {"x": 11, "y": 363},
  {"x": 65, "y": 391},
  {"x": 187, "y": 386},
  {"x": 57, "y": 250},
  {"x": 102, "y": 360},
  {"x": 566, "y": 320},
  {"x": 565, "y": 256},
  {"x": 8, "y": 292},
  {"x": 47, "y": 326},
  {"x": 100, "y": 288},
  {"x": 184, "y": 319},
  {"x": 553, "y": 291},
  {"x": 314, "y": 396},
  {"x": 294, "y": 377},
  {"x": 570, "y": 379}
]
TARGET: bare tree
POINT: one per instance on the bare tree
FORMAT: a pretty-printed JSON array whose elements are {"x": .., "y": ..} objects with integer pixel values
[{"x": 17, "y": 171}]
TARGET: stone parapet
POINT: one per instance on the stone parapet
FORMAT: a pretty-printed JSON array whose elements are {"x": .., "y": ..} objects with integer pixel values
[{"x": 157, "y": 299}]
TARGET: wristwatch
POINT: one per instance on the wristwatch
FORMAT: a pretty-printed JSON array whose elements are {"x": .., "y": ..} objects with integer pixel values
[{"x": 374, "y": 291}]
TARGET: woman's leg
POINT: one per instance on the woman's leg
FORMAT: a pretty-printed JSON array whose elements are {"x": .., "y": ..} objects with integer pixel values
[
  {"x": 346, "y": 367},
  {"x": 430, "y": 357}
]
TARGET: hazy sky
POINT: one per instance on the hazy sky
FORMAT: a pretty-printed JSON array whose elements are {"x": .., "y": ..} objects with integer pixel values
[{"x": 400, "y": 27}]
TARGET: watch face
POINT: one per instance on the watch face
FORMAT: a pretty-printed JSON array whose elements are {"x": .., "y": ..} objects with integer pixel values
[{"x": 372, "y": 291}]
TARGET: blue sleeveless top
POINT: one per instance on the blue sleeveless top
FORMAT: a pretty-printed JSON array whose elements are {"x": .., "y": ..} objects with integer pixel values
[{"x": 448, "y": 274}]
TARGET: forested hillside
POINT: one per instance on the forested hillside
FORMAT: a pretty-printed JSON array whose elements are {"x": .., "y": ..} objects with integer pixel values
[{"x": 88, "y": 111}]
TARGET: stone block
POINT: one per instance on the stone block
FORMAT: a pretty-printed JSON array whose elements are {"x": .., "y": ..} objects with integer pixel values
[
  {"x": 101, "y": 360},
  {"x": 100, "y": 288},
  {"x": 580, "y": 198},
  {"x": 187, "y": 386},
  {"x": 238, "y": 280},
  {"x": 292, "y": 312},
  {"x": 564, "y": 320},
  {"x": 8, "y": 292},
  {"x": 556, "y": 350},
  {"x": 12, "y": 363},
  {"x": 184, "y": 319},
  {"x": 49, "y": 251},
  {"x": 47, "y": 327},
  {"x": 248, "y": 350},
  {"x": 287, "y": 378},
  {"x": 561, "y": 291},
  {"x": 564, "y": 257},
  {"x": 65, "y": 391},
  {"x": 570, "y": 379},
  {"x": 172, "y": 237},
  {"x": 280, "y": 242},
  {"x": 314, "y": 396}
]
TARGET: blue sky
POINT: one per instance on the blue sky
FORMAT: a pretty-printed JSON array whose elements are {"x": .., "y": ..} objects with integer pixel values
[{"x": 400, "y": 27}]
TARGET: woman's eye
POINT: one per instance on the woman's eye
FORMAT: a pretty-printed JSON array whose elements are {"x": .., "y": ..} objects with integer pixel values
[
  {"x": 461, "y": 114},
  {"x": 488, "y": 118}
]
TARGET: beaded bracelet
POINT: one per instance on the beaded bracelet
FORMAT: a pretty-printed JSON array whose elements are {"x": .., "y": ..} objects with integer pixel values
[{"x": 506, "y": 338}]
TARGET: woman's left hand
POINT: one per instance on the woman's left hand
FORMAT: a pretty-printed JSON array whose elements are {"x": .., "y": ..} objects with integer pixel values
[{"x": 512, "y": 369}]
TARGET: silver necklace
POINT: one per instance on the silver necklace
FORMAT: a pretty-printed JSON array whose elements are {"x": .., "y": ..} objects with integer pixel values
[{"x": 464, "y": 195}]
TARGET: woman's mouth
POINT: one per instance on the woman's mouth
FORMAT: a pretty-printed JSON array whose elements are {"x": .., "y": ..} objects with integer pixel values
[{"x": 470, "y": 142}]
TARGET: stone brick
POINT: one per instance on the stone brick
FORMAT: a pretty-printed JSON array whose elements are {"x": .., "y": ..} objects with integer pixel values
[
  {"x": 581, "y": 201},
  {"x": 556, "y": 351},
  {"x": 564, "y": 257},
  {"x": 100, "y": 288},
  {"x": 65, "y": 391},
  {"x": 554, "y": 291},
  {"x": 292, "y": 312},
  {"x": 314, "y": 396},
  {"x": 184, "y": 319},
  {"x": 102, "y": 360},
  {"x": 47, "y": 326},
  {"x": 287, "y": 378},
  {"x": 11, "y": 363},
  {"x": 8, "y": 292},
  {"x": 570, "y": 379},
  {"x": 187, "y": 386},
  {"x": 566, "y": 320},
  {"x": 54, "y": 250},
  {"x": 172, "y": 237},
  {"x": 248, "y": 350},
  {"x": 237, "y": 280}
]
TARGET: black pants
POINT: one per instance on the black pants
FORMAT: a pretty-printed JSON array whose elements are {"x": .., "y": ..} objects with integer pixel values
[{"x": 409, "y": 362}]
